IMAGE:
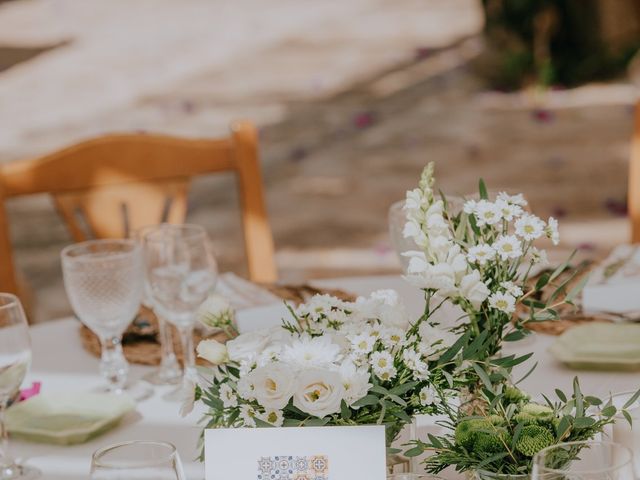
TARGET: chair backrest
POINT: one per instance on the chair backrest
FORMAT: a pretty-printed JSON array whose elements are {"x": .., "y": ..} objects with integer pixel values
[
  {"x": 634, "y": 179},
  {"x": 109, "y": 186}
]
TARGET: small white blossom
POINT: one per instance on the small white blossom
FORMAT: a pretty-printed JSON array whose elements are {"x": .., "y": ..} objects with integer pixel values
[
  {"x": 469, "y": 207},
  {"x": 387, "y": 374},
  {"x": 381, "y": 360},
  {"x": 505, "y": 302},
  {"x": 428, "y": 396},
  {"x": 538, "y": 257},
  {"x": 529, "y": 227},
  {"x": 272, "y": 417},
  {"x": 512, "y": 289},
  {"x": 551, "y": 230},
  {"x": 392, "y": 337},
  {"x": 363, "y": 343},
  {"x": 247, "y": 415},
  {"x": 508, "y": 246},
  {"x": 228, "y": 397},
  {"x": 508, "y": 210},
  {"x": 513, "y": 199},
  {"x": 481, "y": 254},
  {"x": 487, "y": 213},
  {"x": 474, "y": 289}
]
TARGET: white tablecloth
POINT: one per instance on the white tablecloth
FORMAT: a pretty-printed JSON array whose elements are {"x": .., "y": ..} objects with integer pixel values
[{"x": 61, "y": 364}]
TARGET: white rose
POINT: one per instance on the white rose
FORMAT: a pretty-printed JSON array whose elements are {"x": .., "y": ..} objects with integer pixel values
[
  {"x": 212, "y": 351},
  {"x": 216, "y": 312},
  {"x": 473, "y": 289},
  {"x": 319, "y": 392},
  {"x": 273, "y": 385},
  {"x": 248, "y": 345}
]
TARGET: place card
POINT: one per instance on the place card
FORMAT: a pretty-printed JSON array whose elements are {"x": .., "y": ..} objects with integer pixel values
[{"x": 295, "y": 453}]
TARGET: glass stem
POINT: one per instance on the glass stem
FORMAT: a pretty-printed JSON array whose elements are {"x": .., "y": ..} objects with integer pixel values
[
  {"x": 113, "y": 365},
  {"x": 186, "y": 334},
  {"x": 168, "y": 359},
  {"x": 6, "y": 462}
]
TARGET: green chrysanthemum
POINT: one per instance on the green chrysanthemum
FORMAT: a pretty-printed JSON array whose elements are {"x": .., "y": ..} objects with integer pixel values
[
  {"x": 514, "y": 395},
  {"x": 534, "y": 438},
  {"x": 535, "y": 414},
  {"x": 492, "y": 442}
]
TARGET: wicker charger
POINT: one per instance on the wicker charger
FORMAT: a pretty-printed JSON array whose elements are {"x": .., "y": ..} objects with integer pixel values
[{"x": 140, "y": 340}]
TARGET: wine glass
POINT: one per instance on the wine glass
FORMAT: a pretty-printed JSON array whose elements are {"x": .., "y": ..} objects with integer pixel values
[
  {"x": 169, "y": 371},
  {"x": 137, "y": 460},
  {"x": 15, "y": 358},
  {"x": 181, "y": 272},
  {"x": 585, "y": 460},
  {"x": 104, "y": 283}
]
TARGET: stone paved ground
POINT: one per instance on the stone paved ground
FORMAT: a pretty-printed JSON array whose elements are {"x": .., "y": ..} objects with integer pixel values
[{"x": 351, "y": 108}]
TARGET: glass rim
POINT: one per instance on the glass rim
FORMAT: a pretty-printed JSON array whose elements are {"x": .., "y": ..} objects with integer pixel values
[
  {"x": 189, "y": 231},
  {"x": 633, "y": 407},
  {"x": 97, "y": 461},
  {"x": 13, "y": 301},
  {"x": 65, "y": 253},
  {"x": 617, "y": 466}
]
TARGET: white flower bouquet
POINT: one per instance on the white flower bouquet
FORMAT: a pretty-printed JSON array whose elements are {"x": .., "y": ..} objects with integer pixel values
[
  {"x": 480, "y": 258},
  {"x": 333, "y": 363}
]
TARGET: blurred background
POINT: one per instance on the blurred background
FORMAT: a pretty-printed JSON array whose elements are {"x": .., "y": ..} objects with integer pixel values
[{"x": 352, "y": 97}]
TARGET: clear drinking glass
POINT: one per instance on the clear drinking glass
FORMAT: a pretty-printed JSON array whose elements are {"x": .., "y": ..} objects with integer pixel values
[
  {"x": 137, "y": 460},
  {"x": 169, "y": 371},
  {"x": 584, "y": 461},
  {"x": 181, "y": 272},
  {"x": 15, "y": 358},
  {"x": 622, "y": 432},
  {"x": 104, "y": 283}
]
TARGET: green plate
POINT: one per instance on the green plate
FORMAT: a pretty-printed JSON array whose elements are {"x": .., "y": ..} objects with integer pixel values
[
  {"x": 67, "y": 419},
  {"x": 600, "y": 346}
]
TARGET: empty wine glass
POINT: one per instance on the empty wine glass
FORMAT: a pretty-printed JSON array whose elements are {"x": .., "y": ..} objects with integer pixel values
[
  {"x": 104, "y": 283},
  {"x": 137, "y": 460},
  {"x": 583, "y": 461},
  {"x": 169, "y": 371},
  {"x": 15, "y": 358},
  {"x": 181, "y": 272}
]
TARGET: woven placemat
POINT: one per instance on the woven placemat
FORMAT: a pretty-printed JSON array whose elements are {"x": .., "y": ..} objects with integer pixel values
[{"x": 140, "y": 341}]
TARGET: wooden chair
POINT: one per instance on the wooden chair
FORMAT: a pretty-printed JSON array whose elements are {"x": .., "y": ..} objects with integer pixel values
[
  {"x": 109, "y": 186},
  {"x": 634, "y": 179}
]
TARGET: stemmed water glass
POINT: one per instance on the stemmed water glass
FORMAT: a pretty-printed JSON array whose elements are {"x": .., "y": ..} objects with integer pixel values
[
  {"x": 169, "y": 371},
  {"x": 586, "y": 460},
  {"x": 104, "y": 283},
  {"x": 181, "y": 273},
  {"x": 15, "y": 358},
  {"x": 137, "y": 460}
]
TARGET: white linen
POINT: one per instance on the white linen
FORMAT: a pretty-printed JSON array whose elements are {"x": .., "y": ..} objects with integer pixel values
[{"x": 60, "y": 363}]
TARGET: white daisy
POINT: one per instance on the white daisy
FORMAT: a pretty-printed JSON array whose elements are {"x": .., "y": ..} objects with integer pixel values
[
  {"x": 513, "y": 199},
  {"x": 508, "y": 246},
  {"x": 481, "y": 254},
  {"x": 392, "y": 336},
  {"x": 428, "y": 396},
  {"x": 551, "y": 230},
  {"x": 505, "y": 302},
  {"x": 273, "y": 417},
  {"x": 529, "y": 227},
  {"x": 228, "y": 396},
  {"x": 386, "y": 374},
  {"x": 470, "y": 206},
  {"x": 538, "y": 256},
  {"x": 311, "y": 352},
  {"x": 487, "y": 213},
  {"x": 508, "y": 210},
  {"x": 512, "y": 289},
  {"x": 247, "y": 415},
  {"x": 362, "y": 344},
  {"x": 381, "y": 360}
]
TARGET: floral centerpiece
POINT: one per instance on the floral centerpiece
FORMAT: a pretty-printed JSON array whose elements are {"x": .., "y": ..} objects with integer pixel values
[
  {"x": 500, "y": 440},
  {"x": 480, "y": 257},
  {"x": 332, "y": 363}
]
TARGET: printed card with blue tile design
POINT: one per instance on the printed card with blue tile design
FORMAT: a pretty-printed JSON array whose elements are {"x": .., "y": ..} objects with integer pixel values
[{"x": 306, "y": 453}]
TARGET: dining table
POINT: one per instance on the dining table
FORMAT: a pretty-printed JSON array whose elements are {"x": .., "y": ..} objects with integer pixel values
[{"x": 62, "y": 365}]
